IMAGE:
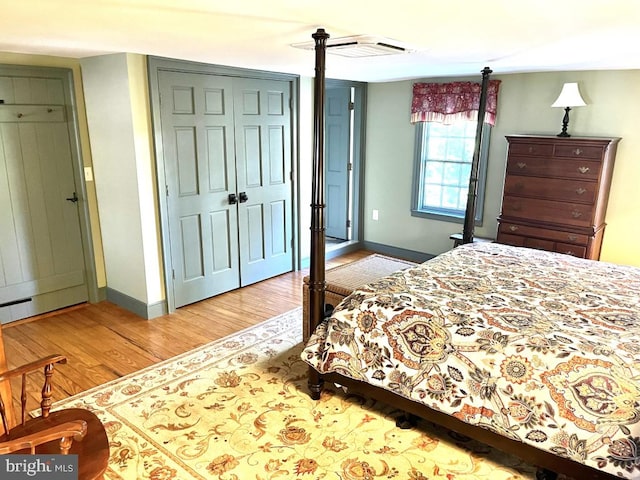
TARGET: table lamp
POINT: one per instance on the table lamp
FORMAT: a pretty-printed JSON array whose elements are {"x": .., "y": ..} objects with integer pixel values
[{"x": 569, "y": 97}]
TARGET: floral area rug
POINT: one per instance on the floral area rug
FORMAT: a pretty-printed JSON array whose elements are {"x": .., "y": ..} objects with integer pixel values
[{"x": 238, "y": 409}]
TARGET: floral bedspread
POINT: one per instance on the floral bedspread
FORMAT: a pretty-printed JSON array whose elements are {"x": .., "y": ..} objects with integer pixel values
[{"x": 543, "y": 348}]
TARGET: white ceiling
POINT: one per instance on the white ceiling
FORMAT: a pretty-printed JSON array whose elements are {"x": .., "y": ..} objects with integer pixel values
[{"x": 452, "y": 37}]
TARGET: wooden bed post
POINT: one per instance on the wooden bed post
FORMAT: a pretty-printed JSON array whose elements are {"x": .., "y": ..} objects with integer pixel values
[
  {"x": 317, "y": 261},
  {"x": 470, "y": 212}
]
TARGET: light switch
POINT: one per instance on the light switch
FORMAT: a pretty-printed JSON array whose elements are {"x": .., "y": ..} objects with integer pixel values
[{"x": 88, "y": 174}]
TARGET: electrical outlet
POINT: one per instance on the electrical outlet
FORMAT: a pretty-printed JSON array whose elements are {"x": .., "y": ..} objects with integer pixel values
[{"x": 374, "y": 215}]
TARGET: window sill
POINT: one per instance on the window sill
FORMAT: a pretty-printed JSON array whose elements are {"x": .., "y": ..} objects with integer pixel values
[
  {"x": 443, "y": 217},
  {"x": 438, "y": 216}
]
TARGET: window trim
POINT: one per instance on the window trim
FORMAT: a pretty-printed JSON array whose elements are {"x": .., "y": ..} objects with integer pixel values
[{"x": 448, "y": 215}]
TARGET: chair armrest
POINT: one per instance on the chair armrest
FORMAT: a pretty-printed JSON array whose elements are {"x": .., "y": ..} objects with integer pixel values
[
  {"x": 46, "y": 364},
  {"x": 32, "y": 366},
  {"x": 66, "y": 432}
]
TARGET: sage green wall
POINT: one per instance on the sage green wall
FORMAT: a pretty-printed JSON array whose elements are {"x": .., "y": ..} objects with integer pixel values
[{"x": 613, "y": 99}]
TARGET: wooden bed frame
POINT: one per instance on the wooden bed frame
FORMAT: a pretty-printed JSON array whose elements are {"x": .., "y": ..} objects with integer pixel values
[{"x": 549, "y": 465}]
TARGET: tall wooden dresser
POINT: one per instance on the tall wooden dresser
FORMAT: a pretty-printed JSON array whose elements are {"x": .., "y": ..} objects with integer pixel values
[{"x": 555, "y": 193}]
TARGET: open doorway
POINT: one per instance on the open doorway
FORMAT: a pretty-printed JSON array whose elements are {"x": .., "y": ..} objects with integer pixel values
[{"x": 345, "y": 104}]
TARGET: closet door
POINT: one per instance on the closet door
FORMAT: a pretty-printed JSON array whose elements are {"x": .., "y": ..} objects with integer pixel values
[
  {"x": 41, "y": 255},
  {"x": 263, "y": 165},
  {"x": 199, "y": 160},
  {"x": 226, "y": 146}
]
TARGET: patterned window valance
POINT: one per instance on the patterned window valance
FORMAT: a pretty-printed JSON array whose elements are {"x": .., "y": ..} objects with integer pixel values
[{"x": 450, "y": 102}]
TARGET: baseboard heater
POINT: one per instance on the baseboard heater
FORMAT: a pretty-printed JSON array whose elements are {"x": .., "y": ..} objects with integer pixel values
[{"x": 15, "y": 302}]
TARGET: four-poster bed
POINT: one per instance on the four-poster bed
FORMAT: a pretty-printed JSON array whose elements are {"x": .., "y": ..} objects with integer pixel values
[{"x": 441, "y": 330}]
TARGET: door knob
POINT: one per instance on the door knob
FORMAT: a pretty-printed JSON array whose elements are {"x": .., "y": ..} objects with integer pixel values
[
  {"x": 233, "y": 199},
  {"x": 73, "y": 199},
  {"x": 243, "y": 197}
]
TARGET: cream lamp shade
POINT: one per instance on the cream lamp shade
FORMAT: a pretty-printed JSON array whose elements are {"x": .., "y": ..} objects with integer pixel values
[{"x": 569, "y": 97}]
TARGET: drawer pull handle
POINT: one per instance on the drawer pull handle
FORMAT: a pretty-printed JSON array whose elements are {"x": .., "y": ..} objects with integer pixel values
[
  {"x": 516, "y": 208},
  {"x": 519, "y": 186},
  {"x": 569, "y": 253},
  {"x": 583, "y": 169},
  {"x": 580, "y": 190},
  {"x": 513, "y": 228},
  {"x": 576, "y": 214},
  {"x": 531, "y": 149},
  {"x": 572, "y": 238},
  {"x": 522, "y": 165},
  {"x": 577, "y": 151}
]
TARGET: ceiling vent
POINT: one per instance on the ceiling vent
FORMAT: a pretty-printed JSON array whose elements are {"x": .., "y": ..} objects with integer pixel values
[{"x": 359, "y": 46}]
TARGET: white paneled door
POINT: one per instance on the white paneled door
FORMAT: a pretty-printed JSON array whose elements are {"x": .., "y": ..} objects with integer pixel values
[{"x": 226, "y": 149}]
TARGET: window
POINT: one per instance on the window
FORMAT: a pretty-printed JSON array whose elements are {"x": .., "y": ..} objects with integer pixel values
[{"x": 442, "y": 169}]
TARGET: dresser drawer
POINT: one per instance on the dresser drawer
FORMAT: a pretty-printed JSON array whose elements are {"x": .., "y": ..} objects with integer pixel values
[
  {"x": 506, "y": 239},
  {"x": 575, "y": 250},
  {"x": 550, "y": 211},
  {"x": 535, "y": 149},
  {"x": 579, "y": 151},
  {"x": 554, "y": 167},
  {"x": 551, "y": 188},
  {"x": 539, "y": 244},
  {"x": 545, "y": 233}
]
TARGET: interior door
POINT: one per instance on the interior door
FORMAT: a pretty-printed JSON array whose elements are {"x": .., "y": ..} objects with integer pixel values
[
  {"x": 263, "y": 164},
  {"x": 227, "y": 156},
  {"x": 337, "y": 161},
  {"x": 198, "y": 150},
  {"x": 41, "y": 254}
]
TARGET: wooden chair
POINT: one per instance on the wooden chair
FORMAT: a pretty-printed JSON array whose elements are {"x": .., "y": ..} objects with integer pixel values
[{"x": 70, "y": 431}]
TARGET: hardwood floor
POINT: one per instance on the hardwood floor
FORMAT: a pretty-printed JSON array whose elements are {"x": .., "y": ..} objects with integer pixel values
[{"x": 103, "y": 341}]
